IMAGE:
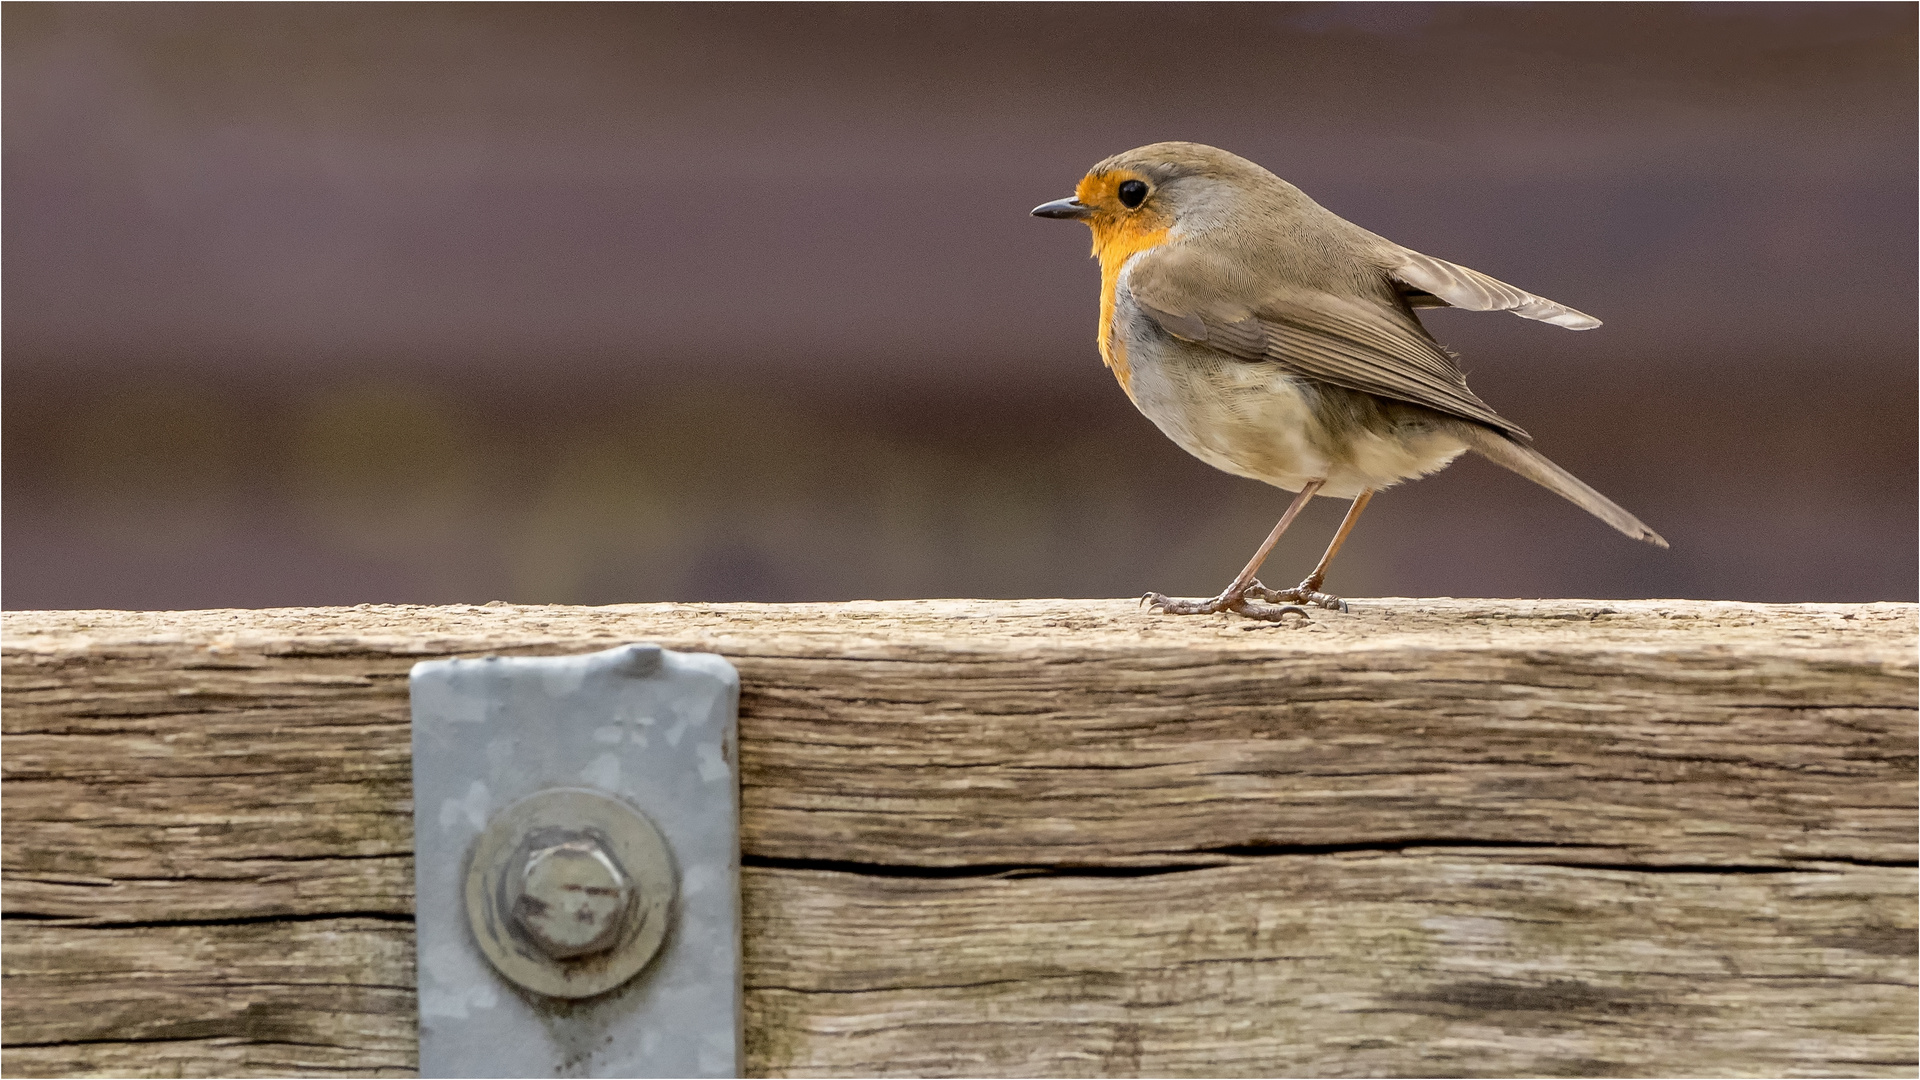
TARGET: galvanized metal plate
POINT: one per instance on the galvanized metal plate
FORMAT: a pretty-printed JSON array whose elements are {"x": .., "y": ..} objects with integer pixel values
[{"x": 657, "y": 732}]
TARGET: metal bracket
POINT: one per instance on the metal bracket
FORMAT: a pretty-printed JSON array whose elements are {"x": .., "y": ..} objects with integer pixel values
[{"x": 577, "y": 864}]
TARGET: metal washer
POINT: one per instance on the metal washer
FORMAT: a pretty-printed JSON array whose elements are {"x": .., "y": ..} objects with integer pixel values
[{"x": 634, "y": 843}]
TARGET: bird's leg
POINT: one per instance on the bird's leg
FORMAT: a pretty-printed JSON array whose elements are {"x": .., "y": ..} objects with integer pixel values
[
  {"x": 1234, "y": 597},
  {"x": 1308, "y": 591}
]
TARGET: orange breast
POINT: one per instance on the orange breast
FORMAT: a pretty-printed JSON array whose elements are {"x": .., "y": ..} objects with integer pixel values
[{"x": 1114, "y": 242}]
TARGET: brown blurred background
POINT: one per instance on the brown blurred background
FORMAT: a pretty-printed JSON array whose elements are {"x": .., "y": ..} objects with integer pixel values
[{"x": 344, "y": 303}]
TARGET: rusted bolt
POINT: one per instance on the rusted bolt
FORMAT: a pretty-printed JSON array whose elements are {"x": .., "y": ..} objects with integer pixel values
[
  {"x": 569, "y": 892},
  {"x": 573, "y": 897}
]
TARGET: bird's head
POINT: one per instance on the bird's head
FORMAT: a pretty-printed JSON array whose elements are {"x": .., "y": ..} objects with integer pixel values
[{"x": 1154, "y": 190}]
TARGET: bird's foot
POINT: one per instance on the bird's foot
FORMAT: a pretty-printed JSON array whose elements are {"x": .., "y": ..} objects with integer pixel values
[
  {"x": 1241, "y": 602},
  {"x": 1303, "y": 593}
]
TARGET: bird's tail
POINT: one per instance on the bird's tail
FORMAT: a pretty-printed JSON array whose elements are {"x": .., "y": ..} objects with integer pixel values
[{"x": 1534, "y": 465}]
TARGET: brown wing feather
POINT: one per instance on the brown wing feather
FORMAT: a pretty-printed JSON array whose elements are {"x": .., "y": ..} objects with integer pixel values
[
  {"x": 1437, "y": 282},
  {"x": 1376, "y": 350}
]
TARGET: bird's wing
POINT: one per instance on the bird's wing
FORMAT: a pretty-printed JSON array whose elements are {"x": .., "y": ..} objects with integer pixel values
[
  {"x": 1430, "y": 282},
  {"x": 1373, "y": 348}
]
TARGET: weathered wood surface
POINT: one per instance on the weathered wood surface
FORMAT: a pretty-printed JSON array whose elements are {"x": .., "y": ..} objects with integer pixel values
[{"x": 1043, "y": 837}]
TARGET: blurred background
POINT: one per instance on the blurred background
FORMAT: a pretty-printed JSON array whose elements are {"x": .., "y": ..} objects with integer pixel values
[{"x": 333, "y": 304}]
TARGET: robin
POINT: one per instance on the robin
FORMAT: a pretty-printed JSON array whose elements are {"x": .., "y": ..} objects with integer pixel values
[{"x": 1276, "y": 341}]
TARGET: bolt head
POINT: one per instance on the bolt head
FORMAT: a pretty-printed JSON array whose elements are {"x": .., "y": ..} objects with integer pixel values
[{"x": 573, "y": 897}]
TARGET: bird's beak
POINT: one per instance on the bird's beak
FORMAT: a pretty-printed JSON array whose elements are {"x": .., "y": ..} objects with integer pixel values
[{"x": 1064, "y": 208}]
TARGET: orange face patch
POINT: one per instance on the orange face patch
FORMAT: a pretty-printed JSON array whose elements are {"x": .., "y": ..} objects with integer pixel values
[{"x": 1118, "y": 235}]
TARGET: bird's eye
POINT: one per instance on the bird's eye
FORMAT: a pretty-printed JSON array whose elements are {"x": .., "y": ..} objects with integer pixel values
[{"x": 1132, "y": 194}]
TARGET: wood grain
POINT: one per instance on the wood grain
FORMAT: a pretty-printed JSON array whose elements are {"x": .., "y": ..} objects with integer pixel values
[{"x": 1037, "y": 837}]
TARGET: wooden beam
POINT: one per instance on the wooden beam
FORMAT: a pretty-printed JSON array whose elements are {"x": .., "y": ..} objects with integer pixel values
[{"x": 1035, "y": 838}]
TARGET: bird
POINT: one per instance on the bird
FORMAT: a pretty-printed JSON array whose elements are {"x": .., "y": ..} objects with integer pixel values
[{"x": 1274, "y": 340}]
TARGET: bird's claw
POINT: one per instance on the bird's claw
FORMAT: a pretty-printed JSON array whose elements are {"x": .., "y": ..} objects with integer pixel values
[
  {"x": 1299, "y": 594},
  {"x": 1269, "y": 612},
  {"x": 1161, "y": 602},
  {"x": 1241, "y": 602}
]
